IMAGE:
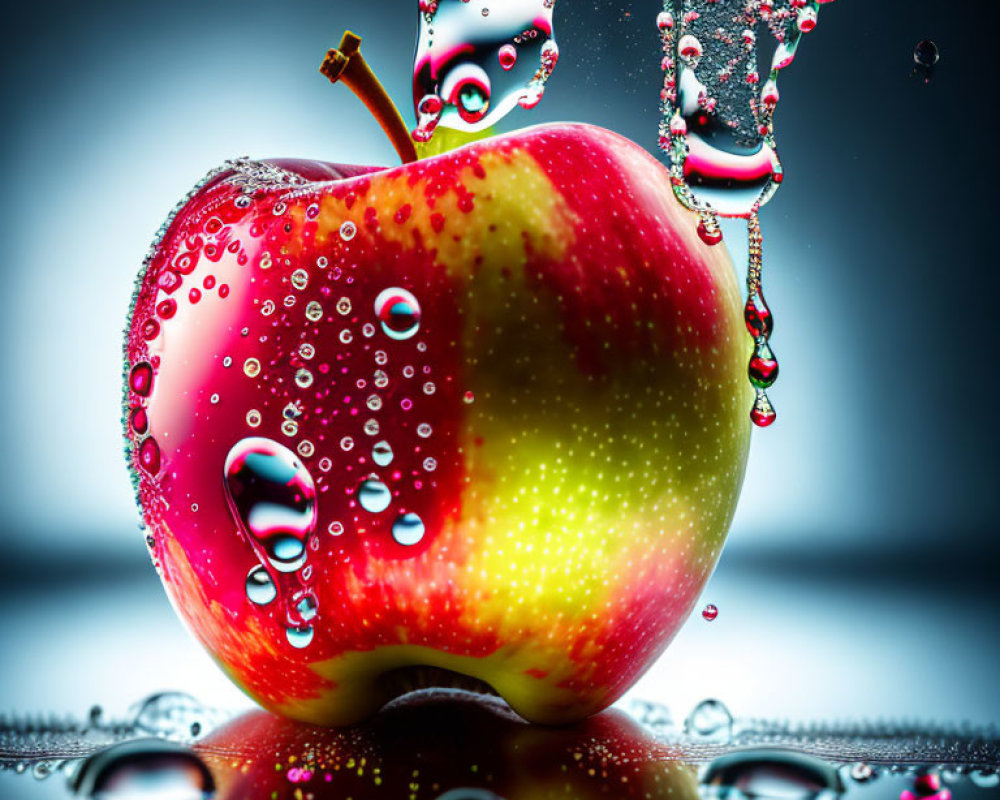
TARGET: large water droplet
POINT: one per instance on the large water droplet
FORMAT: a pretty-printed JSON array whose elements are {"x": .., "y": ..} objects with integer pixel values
[
  {"x": 260, "y": 588},
  {"x": 709, "y": 720},
  {"x": 171, "y": 714},
  {"x": 399, "y": 313},
  {"x": 475, "y": 65},
  {"x": 374, "y": 496},
  {"x": 144, "y": 768},
  {"x": 770, "y": 773},
  {"x": 140, "y": 379},
  {"x": 273, "y": 498},
  {"x": 408, "y": 529}
]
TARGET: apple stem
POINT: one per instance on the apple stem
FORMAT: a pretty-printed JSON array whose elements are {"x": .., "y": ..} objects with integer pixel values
[{"x": 346, "y": 64}]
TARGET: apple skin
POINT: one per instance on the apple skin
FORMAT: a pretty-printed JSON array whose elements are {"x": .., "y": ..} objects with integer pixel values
[
  {"x": 427, "y": 746},
  {"x": 587, "y": 416}
]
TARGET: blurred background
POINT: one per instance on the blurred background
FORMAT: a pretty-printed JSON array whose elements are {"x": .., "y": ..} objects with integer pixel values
[{"x": 860, "y": 579}]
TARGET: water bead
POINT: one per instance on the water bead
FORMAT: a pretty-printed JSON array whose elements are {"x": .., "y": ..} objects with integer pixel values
[
  {"x": 299, "y": 637},
  {"x": 382, "y": 453},
  {"x": 398, "y": 312},
  {"x": 710, "y": 720},
  {"x": 141, "y": 379},
  {"x": 408, "y": 529},
  {"x": 314, "y": 311},
  {"x": 710, "y": 612},
  {"x": 348, "y": 230},
  {"x": 305, "y": 448},
  {"x": 374, "y": 496},
  {"x": 424, "y": 430},
  {"x": 253, "y": 418},
  {"x": 303, "y": 378},
  {"x": 149, "y": 455},
  {"x": 273, "y": 499},
  {"x": 300, "y": 279},
  {"x": 372, "y": 427},
  {"x": 290, "y": 428},
  {"x": 344, "y": 306},
  {"x": 259, "y": 586}
]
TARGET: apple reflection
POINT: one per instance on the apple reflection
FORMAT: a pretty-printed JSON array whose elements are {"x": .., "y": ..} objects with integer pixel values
[{"x": 444, "y": 746}]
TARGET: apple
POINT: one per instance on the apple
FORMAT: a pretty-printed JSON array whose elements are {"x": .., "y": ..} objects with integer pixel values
[
  {"x": 475, "y": 420},
  {"x": 449, "y": 748}
]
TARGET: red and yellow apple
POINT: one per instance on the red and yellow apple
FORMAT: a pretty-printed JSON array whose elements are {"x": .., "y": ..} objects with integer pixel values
[
  {"x": 452, "y": 748},
  {"x": 478, "y": 419}
]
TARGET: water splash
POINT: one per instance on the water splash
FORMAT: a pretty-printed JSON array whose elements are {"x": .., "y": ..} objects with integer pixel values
[
  {"x": 717, "y": 128},
  {"x": 477, "y": 60}
]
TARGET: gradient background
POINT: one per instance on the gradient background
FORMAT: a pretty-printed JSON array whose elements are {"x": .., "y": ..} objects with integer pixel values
[{"x": 860, "y": 577}]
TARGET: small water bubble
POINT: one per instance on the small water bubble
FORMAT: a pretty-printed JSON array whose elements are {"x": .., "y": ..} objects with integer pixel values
[
  {"x": 306, "y": 606},
  {"x": 381, "y": 379},
  {"x": 348, "y": 230},
  {"x": 374, "y": 496},
  {"x": 292, "y": 410},
  {"x": 382, "y": 453},
  {"x": 409, "y": 371},
  {"x": 408, "y": 529},
  {"x": 290, "y": 427},
  {"x": 862, "y": 772},
  {"x": 374, "y": 402},
  {"x": 300, "y": 279},
  {"x": 347, "y": 443},
  {"x": 299, "y": 637},
  {"x": 372, "y": 427},
  {"x": 710, "y": 612},
  {"x": 314, "y": 311},
  {"x": 710, "y": 719},
  {"x": 429, "y": 387},
  {"x": 251, "y": 368},
  {"x": 346, "y": 337},
  {"x": 303, "y": 378},
  {"x": 468, "y": 398},
  {"x": 325, "y": 464},
  {"x": 926, "y": 54},
  {"x": 430, "y": 463},
  {"x": 381, "y": 358},
  {"x": 424, "y": 430},
  {"x": 214, "y": 399},
  {"x": 344, "y": 306},
  {"x": 253, "y": 418},
  {"x": 398, "y": 312},
  {"x": 335, "y": 528},
  {"x": 267, "y": 308},
  {"x": 227, "y": 362},
  {"x": 307, "y": 351},
  {"x": 306, "y": 448},
  {"x": 259, "y": 586},
  {"x": 368, "y": 330}
]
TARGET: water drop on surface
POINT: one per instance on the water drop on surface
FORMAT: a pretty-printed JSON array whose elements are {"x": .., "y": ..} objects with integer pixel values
[
  {"x": 299, "y": 637},
  {"x": 170, "y": 714},
  {"x": 408, "y": 529},
  {"x": 771, "y": 773},
  {"x": 709, "y": 720},
  {"x": 382, "y": 454},
  {"x": 348, "y": 231},
  {"x": 141, "y": 379},
  {"x": 273, "y": 498},
  {"x": 150, "y": 768},
  {"x": 374, "y": 496},
  {"x": 399, "y": 313},
  {"x": 259, "y": 586}
]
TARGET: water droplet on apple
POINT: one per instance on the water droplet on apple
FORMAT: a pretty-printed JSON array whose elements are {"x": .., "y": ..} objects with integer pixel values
[
  {"x": 139, "y": 420},
  {"x": 140, "y": 379},
  {"x": 348, "y": 230},
  {"x": 408, "y": 529},
  {"x": 251, "y": 368},
  {"x": 374, "y": 496},
  {"x": 259, "y": 586},
  {"x": 273, "y": 498},
  {"x": 711, "y": 720},
  {"x": 382, "y": 454},
  {"x": 304, "y": 606},
  {"x": 299, "y": 637},
  {"x": 473, "y": 67},
  {"x": 399, "y": 313}
]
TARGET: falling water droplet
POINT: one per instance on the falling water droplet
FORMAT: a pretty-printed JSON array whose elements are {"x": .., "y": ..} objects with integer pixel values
[
  {"x": 710, "y": 612},
  {"x": 260, "y": 588},
  {"x": 144, "y": 768},
  {"x": 399, "y": 313},
  {"x": 273, "y": 498},
  {"x": 763, "y": 366},
  {"x": 408, "y": 529},
  {"x": 762, "y": 414},
  {"x": 709, "y": 720},
  {"x": 374, "y": 496}
]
